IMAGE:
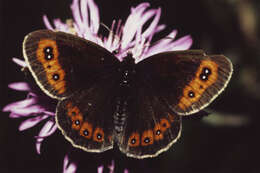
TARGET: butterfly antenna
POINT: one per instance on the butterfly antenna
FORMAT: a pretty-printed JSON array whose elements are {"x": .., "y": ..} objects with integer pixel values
[
  {"x": 110, "y": 31},
  {"x": 114, "y": 36},
  {"x": 105, "y": 26}
]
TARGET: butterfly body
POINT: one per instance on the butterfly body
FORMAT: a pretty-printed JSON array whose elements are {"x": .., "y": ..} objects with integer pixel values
[
  {"x": 127, "y": 73},
  {"x": 103, "y": 102}
]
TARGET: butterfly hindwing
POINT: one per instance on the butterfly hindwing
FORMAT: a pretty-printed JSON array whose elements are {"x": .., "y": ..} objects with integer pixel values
[
  {"x": 86, "y": 120},
  {"x": 155, "y": 126},
  {"x": 187, "y": 81},
  {"x": 63, "y": 63}
]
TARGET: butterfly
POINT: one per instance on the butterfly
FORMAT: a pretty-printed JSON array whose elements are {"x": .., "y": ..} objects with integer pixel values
[{"x": 103, "y": 102}]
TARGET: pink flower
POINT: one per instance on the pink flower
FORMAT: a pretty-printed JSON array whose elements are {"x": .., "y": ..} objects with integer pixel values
[
  {"x": 129, "y": 36},
  {"x": 34, "y": 107}
]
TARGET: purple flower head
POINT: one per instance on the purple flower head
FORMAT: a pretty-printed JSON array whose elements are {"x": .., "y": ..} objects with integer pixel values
[
  {"x": 130, "y": 36},
  {"x": 32, "y": 107}
]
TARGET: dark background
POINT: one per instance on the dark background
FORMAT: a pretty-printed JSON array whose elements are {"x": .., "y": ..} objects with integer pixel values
[{"x": 225, "y": 141}]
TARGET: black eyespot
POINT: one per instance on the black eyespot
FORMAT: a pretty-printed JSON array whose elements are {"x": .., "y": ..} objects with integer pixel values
[
  {"x": 48, "y": 66},
  {"x": 56, "y": 77},
  {"x": 191, "y": 94},
  {"x": 203, "y": 77},
  {"x": 206, "y": 71},
  {"x": 77, "y": 122},
  {"x": 133, "y": 141},
  {"x": 99, "y": 136},
  {"x": 85, "y": 132},
  {"x": 49, "y": 56},
  {"x": 158, "y": 132},
  {"x": 48, "y": 51},
  {"x": 164, "y": 125},
  {"x": 201, "y": 87},
  {"x": 147, "y": 140},
  {"x": 73, "y": 113}
]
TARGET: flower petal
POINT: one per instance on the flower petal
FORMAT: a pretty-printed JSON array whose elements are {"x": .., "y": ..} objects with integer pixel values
[
  {"x": 38, "y": 145},
  {"x": 84, "y": 13},
  {"x": 100, "y": 169},
  {"x": 19, "y": 62},
  {"x": 48, "y": 129},
  {"x": 94, "y": 16},
  {"x": 19, "y": 104},
  {"x": 26, "y": 111},
  {"x": 76, "y": 15},
  {"x": 47, "y": 23},
  {"x": 112, "y": 166},
  {"x": 19, "y": 86},
  {"x": 151, "y": 28},
  {"x": 59, "y": 25},
  {"x": 131, "y": 24},
  {"x": 182, "y": 43},
  {"x": 13, "y": 115},
  {"x": 161, "y": 45},
  {"x": 49, "y": 113},
  {"x": 31, "y": 122},
  {"x": 68, "y": 167}
]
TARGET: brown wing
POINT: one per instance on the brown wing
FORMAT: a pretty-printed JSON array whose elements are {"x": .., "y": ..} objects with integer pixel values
[
  {"x": 85, "y": 119},
  {"x": 62, "y": 63},
  {"x": 187, "y": 81},
  {"x": 151, "y": 127}
]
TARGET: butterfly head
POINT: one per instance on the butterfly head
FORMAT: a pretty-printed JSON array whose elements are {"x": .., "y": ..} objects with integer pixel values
[
  {"x": 129, "y": 59},
  {"x": 128, "y": 63}
]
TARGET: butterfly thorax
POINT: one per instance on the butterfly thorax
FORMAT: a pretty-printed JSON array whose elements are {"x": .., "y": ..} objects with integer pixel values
[{"x": 127, "y": 72}]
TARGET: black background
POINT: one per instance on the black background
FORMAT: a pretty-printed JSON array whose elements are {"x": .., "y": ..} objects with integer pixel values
[{"x": 216, "y": 26}]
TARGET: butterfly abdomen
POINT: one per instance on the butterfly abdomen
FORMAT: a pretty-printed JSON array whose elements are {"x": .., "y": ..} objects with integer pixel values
[{"x": 120, "y": 114}]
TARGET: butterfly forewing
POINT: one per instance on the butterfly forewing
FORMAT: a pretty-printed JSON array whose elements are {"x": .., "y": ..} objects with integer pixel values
[
  {"x": 187, "y": 81},
  {"x": 63, "y": 63}
]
